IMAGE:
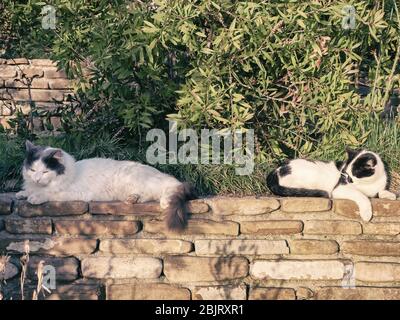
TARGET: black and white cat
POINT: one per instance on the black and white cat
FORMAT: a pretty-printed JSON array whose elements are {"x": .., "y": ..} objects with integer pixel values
[
  {"x": 52, "y": 174},
  {"x": 362, "y": 175}
]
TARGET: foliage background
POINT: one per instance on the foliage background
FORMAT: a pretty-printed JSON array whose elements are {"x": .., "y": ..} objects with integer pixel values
[{"x": 287, "y": 69}]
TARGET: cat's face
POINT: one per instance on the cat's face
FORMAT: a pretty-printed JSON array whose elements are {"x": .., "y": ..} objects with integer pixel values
[
  {"x": 362, "y": 164},
  {"x": 42, "y": 165}
]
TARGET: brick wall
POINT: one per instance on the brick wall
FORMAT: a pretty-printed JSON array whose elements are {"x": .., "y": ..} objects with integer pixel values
[
  {"x": 233, "y": 248},
  {"x": 37, "y": 80}
]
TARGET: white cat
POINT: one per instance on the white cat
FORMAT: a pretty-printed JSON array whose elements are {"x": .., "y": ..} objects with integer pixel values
[
  {"x": 363, "y": 175},
  {"x": 52, "y": 174}
]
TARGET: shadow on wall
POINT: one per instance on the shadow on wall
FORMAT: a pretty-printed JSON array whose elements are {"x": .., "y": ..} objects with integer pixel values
[{"x": 228, "y": 253}]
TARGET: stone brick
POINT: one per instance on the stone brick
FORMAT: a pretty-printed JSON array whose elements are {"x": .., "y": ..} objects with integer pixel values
[
  {"x": 53, "y": 73},
  {"x": 197, "y": 206},
  {"x": 226, "y": 292},
  {"x": 305, "y": 204},
  {"x": 313, "y": 246},
  {"x": 6, "y": 110},
  {"x": 358, "y": 293},
  {"x": 7, "y": 269},
  {"x": 55, "y": 208},
  {"x": 195, "y": 269},
  {"x": 51, "y": 246},
  {"x": 37, "y": 124},
  {"x": 272, "y": 294},
  {"x": 56, "y": 123},
  {"x": 388, "y": 229},
  {"x": 121, "y": 268},
  {"x": 121, "y": 208},
  {"x": 377, "y": 271},
  {"x": 346, "y": 208},
  {"x": 24, "y": 108},
  {"x": 385, "y": 208},
  {"x": 96, "y": 227},
  {"x": 148, "y": 208},
  {"x": 271, "y": 227},
  {"x": 31, "y": 71},
  {"x": 37, "y": 83},
  {"x": 297, "y": 270},
  {"x": 371, "y": 248},
  {"x": 36, "y": 95},
  {"x": 303, "y": 293},
  {"x": 5, "y": 205},
  {"x": 195, "y": 226},
  {"x": 56, "y": 84},
  {"x": 148, "y": 291},
  {"x": 242, "y": 206},
  {"x": 51, "y": 106},
  {"x": 19, "y": 226},
  {"x": 145, "y": 246},
  {"x": 332, "y": 227},
  {"x": 66, "y": 268},
  {"x": 1, "y": 224},
  {"x": 381, "y": 208},
  {"x": 251, "y": 247},
  {"x": 17, "y": 61},
  {"x": 43, "y": 63},
  {"x": 76, "y": 292},
  {"x": 7, "y": 71}
]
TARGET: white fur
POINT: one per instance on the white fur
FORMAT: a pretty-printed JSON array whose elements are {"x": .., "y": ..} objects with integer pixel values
[
  {"x": 314, "y": 174},
  {"x": 97, "y": 179},
  {"x": 325, "y": 176}
]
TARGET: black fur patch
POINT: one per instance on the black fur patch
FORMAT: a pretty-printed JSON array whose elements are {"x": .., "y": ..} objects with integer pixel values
[
  {"x": 339, "y": 164},
  {"x": 53, "y": 164},
  {"x": 344, "y": 179},
  {"x": 351, "y": 154},
  {"x": 32, "y": 155},
  {"x": 364, "y": 165},
  {"x": 387, "y": 173},
  {"x": 342, "y": 166},
  {"x": 285, "y": 170},
  {"x": 277, "y": 189}
]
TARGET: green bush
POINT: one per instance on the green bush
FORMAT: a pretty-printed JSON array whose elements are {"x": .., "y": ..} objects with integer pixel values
[{"x": 288, "y": 70}]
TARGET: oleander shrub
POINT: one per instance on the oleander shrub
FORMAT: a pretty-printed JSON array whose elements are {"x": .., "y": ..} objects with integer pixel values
[{"x": 290, "y": 70}]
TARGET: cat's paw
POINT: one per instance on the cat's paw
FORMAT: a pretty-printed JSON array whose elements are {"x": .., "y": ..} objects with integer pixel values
[
  {"x": 385, "y": 194},
  {"x": 133, "y": 198},
  {"x": 36, "y": 199},
  {"x": 21, "y": 195},
  {"x": 366, "y": 214}
]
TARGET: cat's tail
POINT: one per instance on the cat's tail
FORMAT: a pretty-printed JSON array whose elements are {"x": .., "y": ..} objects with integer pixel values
[
  {"x": 279, "y": 190},
  {"x": 176, "y": 211}
]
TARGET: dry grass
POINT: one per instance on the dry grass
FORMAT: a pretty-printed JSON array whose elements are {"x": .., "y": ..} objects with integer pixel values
[
  {"x": 24, "y": 260},
  {"x": 3, "y": 263},
  {"x": 395, "y": 181}
]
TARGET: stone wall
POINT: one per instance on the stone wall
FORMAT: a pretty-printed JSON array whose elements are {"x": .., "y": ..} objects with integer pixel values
[
  {"x": 23, "y": 81},
  {"x": 233, "y": 248}
]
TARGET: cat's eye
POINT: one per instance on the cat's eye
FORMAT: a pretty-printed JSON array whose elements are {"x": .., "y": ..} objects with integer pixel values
[
  {"x": 32, "y": 170},
  {"x": 45, "y": 171}
]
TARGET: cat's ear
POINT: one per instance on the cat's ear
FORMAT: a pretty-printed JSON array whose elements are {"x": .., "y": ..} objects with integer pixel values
[
  {"x": 351, "y": 153},
  {"x": 29, "y": 146},
  {"x": 56, "y": 154},
  {"x": 339, "y": 164}
]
